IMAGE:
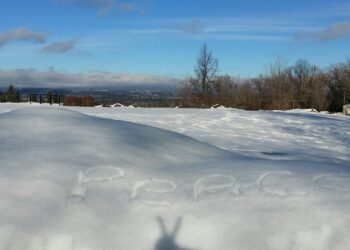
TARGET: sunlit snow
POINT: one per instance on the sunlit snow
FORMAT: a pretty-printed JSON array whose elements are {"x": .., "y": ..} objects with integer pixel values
[{"x": 159, "y": 179}]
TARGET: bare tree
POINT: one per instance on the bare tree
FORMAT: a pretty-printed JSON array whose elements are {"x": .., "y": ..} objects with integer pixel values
[
  {"x": 185, "y": 92},
  {"x": 278, "y": 86},
  {"x": 205, "y": 70},
  {"x": 320, "y": 93},
  {"x": 247, "y": 96},
  {"x": 301, "y": 73},
  {"x": 339, "y": 85},
  {"x": 223, "y": 90}
]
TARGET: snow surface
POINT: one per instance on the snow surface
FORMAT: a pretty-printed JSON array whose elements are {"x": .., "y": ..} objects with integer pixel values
[{"x": 197, "y": 179}]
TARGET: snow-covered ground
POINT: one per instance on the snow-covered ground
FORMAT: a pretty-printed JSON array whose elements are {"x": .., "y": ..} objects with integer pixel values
[{"x": 193, "y": 179}]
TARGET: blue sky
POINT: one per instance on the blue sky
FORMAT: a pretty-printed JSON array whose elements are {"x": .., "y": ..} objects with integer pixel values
[{"x": 156, "y": 40}]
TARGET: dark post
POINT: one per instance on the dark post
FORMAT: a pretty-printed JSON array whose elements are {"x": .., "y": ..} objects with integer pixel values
[
  {"x": 344, "y": 97},
  {"x": 50, "y": 98},
  {"x": 40, "y": 98}
]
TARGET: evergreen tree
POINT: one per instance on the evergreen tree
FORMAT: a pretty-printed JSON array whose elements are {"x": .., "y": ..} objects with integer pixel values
[{"x": 11, "y": 94}]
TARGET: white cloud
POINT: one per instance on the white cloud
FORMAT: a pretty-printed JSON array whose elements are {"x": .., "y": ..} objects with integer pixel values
[
  {"x": 22, "y": 35},
  {"x": 103, "y": 7},
  {"x": 334, "y": 31},
  {"x": 59, "y": 47},
  {"x": 57, "y": 79},
  {"x": 216, "y": 28}
]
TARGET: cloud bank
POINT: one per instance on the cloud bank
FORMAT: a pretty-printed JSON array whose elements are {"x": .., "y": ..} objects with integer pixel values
[
  {"x": 333, "y": 32},
  {"x": 22, "y": 35},
  {"x": 60, "y": 47},
  {"x": 58, "y": 79}
]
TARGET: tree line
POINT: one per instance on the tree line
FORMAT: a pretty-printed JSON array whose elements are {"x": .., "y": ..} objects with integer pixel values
[{"x": 301, "y": 85}]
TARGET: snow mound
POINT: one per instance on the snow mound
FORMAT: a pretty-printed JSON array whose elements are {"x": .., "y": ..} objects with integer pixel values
[
  {"x": 300, "y": 111},
  {"x": 117, "y": 105},
  {"x": 70, "y": 181},
  {"x": 101, "y": 140}
]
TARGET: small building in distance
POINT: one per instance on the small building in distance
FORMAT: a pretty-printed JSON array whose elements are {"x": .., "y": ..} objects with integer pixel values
[{"x": 346, "y": 109}]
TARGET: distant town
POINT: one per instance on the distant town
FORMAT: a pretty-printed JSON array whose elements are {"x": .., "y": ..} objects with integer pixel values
[{"x": 141, "y": 97}]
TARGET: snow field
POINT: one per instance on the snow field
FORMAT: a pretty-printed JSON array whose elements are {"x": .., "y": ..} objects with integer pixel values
[{"x": 70, "y": 181}]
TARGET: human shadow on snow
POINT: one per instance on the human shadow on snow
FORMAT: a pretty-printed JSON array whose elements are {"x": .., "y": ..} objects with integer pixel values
[{"x": 167, "y": 240}]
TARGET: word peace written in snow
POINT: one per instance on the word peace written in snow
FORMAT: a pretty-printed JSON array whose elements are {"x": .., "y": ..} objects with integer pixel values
[{"x": 160, "y": 192}]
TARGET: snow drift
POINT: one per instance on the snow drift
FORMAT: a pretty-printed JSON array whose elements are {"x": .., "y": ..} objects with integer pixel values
[{"x": 75, "y": 182}]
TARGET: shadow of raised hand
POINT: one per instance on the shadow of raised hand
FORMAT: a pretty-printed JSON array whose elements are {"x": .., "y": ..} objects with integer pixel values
[{"x": 168, "y": 240}]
